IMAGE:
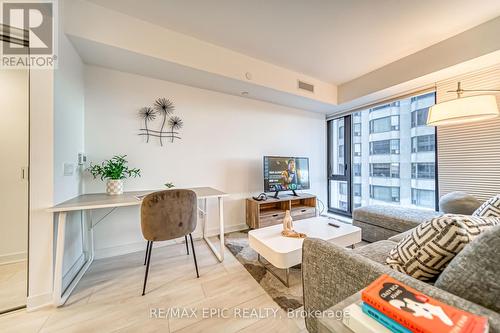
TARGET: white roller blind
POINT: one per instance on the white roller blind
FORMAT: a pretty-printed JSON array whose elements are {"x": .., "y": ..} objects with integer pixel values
[{"x": 469, "y": 154}]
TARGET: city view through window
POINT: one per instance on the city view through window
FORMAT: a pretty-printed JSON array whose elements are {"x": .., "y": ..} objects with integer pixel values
[{"x": 383, "y": 155}]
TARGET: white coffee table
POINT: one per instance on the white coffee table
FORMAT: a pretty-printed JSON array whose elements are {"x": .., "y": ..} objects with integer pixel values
[{"x": 285, "y": 252}]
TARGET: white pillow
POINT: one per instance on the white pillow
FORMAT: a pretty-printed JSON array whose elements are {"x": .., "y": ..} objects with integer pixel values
[{"x": 425, "y": 253}]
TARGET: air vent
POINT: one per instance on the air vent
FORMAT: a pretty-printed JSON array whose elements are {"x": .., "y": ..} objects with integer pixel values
[{"x": 306, "y": 86}]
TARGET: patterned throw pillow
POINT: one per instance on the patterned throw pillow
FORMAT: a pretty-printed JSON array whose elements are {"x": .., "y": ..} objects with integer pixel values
[
  {"x": 489, "y": 208},
  {"x": 426, "y": 252}
]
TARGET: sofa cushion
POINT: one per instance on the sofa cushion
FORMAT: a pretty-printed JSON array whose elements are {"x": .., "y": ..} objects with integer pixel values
[
  {"x": 489, "y": 208},
  {"x": 399, "y": 237},
  {"x": 474, "y": 273},
  {"x": 377, "y": 252},
  {"x": 426, "y": 252},
  {"x": 458, "y": 203},
  {"x": 393, "y": 218}
]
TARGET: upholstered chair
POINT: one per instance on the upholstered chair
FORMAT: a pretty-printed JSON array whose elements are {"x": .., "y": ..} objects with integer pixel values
[{"x": 166, "y": 215}]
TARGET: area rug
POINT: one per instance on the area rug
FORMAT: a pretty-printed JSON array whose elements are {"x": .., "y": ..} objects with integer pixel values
[{"x": 287, "y": 298}]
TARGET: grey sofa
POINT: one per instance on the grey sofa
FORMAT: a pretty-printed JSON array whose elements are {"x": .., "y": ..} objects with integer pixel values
[
  {"x": 380, "y": 222},
  {"x": 331, "y": 273}
]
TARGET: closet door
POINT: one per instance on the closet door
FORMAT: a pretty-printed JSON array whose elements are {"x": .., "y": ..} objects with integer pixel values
[{"x": 14, "y": 130}]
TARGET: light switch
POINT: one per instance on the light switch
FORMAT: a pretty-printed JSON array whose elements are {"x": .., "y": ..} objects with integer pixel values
[{"x": 69, "y": 169}]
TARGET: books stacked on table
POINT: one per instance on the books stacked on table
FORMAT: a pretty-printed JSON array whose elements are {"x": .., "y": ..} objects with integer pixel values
[{"x": 390, "y": 306}]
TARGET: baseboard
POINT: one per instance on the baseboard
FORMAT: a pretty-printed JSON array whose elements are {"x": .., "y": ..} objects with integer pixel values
[
  {"x": 119, "y": 250},
  {"x": 71, "y": 273},
  {"x": 13, "y": 258},
  {"x": 40, "y": 301}
]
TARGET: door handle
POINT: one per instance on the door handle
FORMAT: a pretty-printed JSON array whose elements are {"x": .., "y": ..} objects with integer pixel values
[{"x": 24, "y": 173}]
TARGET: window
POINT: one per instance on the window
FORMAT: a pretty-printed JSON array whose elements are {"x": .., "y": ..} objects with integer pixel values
[
  {"x": 419, "y": 117},
  {"x": 384, "y": 147},
  {"x": 356, "y": 189},
  {"x": 356, "y": 169},
  {"x": 423, "y": 143},
  {"x": 356, "y": 128},
  {"x": 385, "y": 124},
  {"x": 423, "y": 170},
  {"x": 387, "y": 170},
  {"x": 357, "y": 149},
  {"x": 384, "y": 193},
  {"x": 381, "y": 150},
  {"x": 423, "y": 198}
]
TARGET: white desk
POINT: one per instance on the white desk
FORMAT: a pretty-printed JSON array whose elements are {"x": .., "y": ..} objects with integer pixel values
[{"x": 88, "y": 202}]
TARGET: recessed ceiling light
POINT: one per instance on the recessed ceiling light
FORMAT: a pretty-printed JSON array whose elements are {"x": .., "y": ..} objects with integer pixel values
[{"x": 244, "y": 93}]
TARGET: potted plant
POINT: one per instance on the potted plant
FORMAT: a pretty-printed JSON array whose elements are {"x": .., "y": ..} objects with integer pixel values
[{"x": 114, "y": 171}]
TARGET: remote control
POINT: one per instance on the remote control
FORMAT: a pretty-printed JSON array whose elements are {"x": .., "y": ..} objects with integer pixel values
[{"x": 333, "y": 225}]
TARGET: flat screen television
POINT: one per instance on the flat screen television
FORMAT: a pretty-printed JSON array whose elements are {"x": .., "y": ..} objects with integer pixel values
[{"x": 286, "y": 174}]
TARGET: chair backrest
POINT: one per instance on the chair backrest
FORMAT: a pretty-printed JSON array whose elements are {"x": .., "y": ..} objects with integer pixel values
[{"x": 168, "y": 214}]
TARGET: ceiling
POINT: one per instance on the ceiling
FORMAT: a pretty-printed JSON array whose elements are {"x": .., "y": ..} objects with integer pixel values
[{"x": 332, "y": 40}]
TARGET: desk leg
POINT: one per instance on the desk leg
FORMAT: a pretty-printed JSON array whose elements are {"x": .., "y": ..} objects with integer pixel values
[
  {"x": 218, "y": 254},
  {"x": 58, "y": 267},
  {"x": 59, "y": 295},
  {"x": 221, "y": 227}
]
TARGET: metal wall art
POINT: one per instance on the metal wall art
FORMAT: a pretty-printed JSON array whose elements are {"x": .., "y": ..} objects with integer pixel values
[{"x": 170, "y": 124}]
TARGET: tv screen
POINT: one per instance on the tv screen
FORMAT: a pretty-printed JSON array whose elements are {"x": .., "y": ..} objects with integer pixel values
[{"x": 286, "y": 173}]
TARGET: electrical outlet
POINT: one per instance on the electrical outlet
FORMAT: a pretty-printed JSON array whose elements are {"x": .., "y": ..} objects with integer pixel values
[{"x": 69, "y": 169}]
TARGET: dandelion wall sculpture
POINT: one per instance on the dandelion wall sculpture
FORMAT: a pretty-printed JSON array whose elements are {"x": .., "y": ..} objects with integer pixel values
[{"x": 165, "y": 108}]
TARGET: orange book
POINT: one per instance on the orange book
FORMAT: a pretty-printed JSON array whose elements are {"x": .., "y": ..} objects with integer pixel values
[{"x": 418, "y": 312}]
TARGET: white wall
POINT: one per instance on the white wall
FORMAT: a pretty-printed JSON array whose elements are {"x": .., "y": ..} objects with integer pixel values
[
  {"x": 68, "y": 141},
  {"x": 223, "y": 141}
]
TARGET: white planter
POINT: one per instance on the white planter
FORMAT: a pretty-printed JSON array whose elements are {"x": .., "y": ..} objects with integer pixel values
[{"x": 114, "y": 186}]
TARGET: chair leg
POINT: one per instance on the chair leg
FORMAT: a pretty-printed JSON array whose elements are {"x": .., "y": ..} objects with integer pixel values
[
  {"x": 194, "y": 256},
  {"x": 147, "y": 251},
  {"x": 187, "y": 247},
  {"x": 150, "y": 246}
]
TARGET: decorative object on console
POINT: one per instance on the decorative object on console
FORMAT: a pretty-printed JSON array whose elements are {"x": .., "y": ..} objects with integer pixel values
[
  {"x": 464, "y": 109},
  {"x": 288, "y": 227},
  {"x": 169, "y": 185},
  {"x": 166, "y": 108},
  {"x": 114, "y": 171},
  {"x": 426, "y": 251}
]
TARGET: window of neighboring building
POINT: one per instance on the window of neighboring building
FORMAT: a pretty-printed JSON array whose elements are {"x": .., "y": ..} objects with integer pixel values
[
  {"x": 356, "y": 169},
  {"x": 341, "y": 151},
  {"x": 423, "y": 143},
  {"x": 356, "y": 129},
  {"x": 419, "y": 117},
  {"x": 341, "y": 133},
  {"x": 385, "y": 124},
  {"x": 384, "y": 147},
  {"x": 423, "y": 170},
  {"x": 356, "y": 189},
  {"x": 343, "y": 205},
  {"x": 343, "y": 188},
  {"x": 357, "y": 149},
  {"x": 387, "y": 170},
  {"x": 423, "y": 198},
  {"x": 384, "y": 193}
]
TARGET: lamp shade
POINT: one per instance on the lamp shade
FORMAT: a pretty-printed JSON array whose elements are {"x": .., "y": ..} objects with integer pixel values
[{"x": 463, "y": 110}]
